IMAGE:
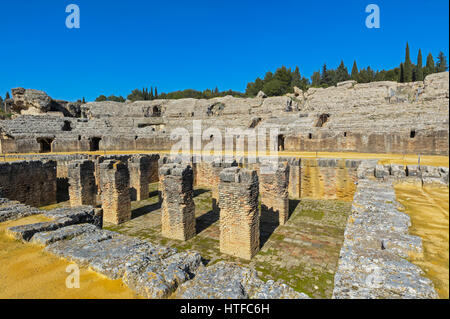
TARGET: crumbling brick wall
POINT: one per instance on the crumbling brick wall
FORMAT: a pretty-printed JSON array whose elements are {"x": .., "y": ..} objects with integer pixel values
[
  {"x": 273, "y": 185},
  {"x": 82, "y": 188},
  {"x": 115, "y": 184},
  {"x": 30, "y": 182},
  {"x": 178, "y": 209},
  {"x": 239, "y": 215}
]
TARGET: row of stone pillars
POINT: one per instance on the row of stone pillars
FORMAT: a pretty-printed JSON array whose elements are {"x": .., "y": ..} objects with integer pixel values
[
  {"x": 237, "y": 201},
  {"x": 235, "y": 198},
  {"x": 118, "y": 183}
]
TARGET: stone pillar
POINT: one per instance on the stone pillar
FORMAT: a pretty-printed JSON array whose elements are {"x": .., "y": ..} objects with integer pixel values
[
  {"x": 139, "y": 169},
  {"x": 239, "y": 216},
  {"x": 178, "y": 209},
  {"x": 115, "y": 184},
  {"x": 217, "y": 166},
  {"x": 295, "y": 181},
  {"x": 82, "y": 189},
  {"x": 153, "y": 176},
  {"x": 274, "y": 190}
]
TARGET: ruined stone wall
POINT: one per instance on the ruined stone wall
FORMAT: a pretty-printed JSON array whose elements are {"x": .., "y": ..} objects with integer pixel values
[
  {"x": 139, "y": 169},
  {"x": 178, "y": 209},
  {"x": 239, "y": 215},
  {"x": 424, "y": 142},
  {"x": 328, "y": 178},
  {"x": 115, "y": 185},
  {"x": 30, "y": 182},
  {"x": 207, "y": 175},
  {"x": 273, "y": 187},
  {"x": 82, "y": 188}
]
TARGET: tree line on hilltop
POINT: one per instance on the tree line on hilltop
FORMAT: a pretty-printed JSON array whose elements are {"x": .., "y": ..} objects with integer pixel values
[{"x": 285, "y": 79}]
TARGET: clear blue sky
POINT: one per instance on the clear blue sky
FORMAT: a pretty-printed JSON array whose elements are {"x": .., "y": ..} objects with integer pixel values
[{"x": 173, "y": 45}]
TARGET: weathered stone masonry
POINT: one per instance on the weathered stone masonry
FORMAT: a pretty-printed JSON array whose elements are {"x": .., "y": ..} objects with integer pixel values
[
  {"x": 29, "y": 182},
  {"x": 82, "y": 188},
  {"x": 239, "y": 215},
  {"x": 178, "y": 209},
  {"x": 274, "y": 191},
  {"x": 139, "y": 168},
  {"x": 115, "y": 181}
]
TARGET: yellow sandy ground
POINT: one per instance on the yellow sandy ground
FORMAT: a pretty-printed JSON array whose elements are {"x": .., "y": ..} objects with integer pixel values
[
  {"x": 384, "y": 158},
  {"x": 27, "y": 271},
  {"x": 428, "y": 208}
]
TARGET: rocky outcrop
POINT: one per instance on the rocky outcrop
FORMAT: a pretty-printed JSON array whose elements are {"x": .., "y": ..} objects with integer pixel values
[{"x": 31, "y": 100}]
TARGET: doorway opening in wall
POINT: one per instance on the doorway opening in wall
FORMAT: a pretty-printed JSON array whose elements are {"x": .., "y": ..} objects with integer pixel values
[
  {"x": 94, "y": 144},
  {"x": 323, "y": 118},
  {"x": 45, "y": 144},
  {"x": 281, "y": 142},
  {"x": 156, "y": 111},
  {"x": 345, "y": 134},
  {"x": 310, "y": 136},
  {"x": 412, "y": 134}
]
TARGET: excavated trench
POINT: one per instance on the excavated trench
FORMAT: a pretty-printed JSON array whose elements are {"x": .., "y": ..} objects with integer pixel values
[
  {"x": 428, "y": 208},
  {"x": 304, "y": 252},
  {"x": 27, "y": 271}
]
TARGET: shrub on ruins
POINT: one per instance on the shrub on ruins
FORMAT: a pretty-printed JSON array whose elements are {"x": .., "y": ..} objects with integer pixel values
[{"x": 112, "y": 97}]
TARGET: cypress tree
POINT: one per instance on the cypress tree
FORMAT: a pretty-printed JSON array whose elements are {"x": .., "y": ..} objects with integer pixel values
[
  {"x": 407, "y": 66},
  {"x": 419, "y": 69},
  {"x": 402, "y": 73},
  {"x": 7, "y": 96},
  {"x": 355, "y": 71},
  {"x": 156, "y": 92},
  {"x": 429, "y": 67}
]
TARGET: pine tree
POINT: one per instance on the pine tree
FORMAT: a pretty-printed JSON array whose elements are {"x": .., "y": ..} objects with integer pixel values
[
  {"x": 429, "y": 67},
  {"x": 407, "y": 66},
  {"x": 441, "y": 64},
  {"x": 355, "y": 72},
  {"x": 315, "y": 79},
  {"x": 419, "y": 69},
  {"x": 326, "y": 79},
  {"x": 296, "y": 78},
  {"x": 342, "y": 73}
]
